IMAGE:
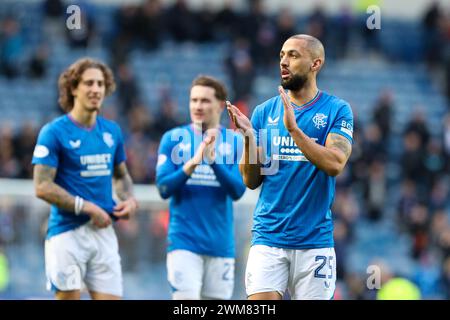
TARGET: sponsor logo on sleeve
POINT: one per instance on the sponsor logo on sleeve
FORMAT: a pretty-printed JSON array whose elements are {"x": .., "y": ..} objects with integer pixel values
[
  {"x": 41, "y": 151},
  {"x": 347, "y": 128}
]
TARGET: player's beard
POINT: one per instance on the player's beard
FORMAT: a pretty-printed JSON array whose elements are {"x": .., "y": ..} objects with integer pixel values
[{"x": 295, "y": 83}]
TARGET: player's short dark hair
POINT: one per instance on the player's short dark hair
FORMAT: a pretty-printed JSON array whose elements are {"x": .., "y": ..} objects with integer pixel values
[
  {"x": 218, "y": 86},
  {"x": 70, "y": 78}
]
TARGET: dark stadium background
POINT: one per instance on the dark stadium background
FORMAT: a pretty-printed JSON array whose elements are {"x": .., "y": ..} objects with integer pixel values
[{"x": 392, "y": 206}]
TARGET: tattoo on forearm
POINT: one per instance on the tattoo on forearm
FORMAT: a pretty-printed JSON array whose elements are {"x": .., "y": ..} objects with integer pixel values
[
  {"x": 123, "y": 184},
  {"x": 52, "y": 193},
  {"x": 342, "y": 144},
  {"x": 43, "y": 174}
]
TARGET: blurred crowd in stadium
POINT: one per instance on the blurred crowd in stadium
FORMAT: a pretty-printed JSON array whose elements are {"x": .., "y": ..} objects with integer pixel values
[{"x": 253, "y": 38}]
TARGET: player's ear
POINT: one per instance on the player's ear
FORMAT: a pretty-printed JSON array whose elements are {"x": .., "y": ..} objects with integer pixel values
[{"x": 316, "y": 65}]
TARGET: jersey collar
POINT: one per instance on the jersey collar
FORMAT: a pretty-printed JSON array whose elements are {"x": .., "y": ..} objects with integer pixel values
[
  {"x": 310, "y": 103},
  {"x": 79, "y": 125}
]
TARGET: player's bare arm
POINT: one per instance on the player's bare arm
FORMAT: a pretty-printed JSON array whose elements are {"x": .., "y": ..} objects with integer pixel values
[
  {"x": 123, "y": 186},
  {"x": 249, "y": 166},
  {"x": 47, "y": 190},
  {"x": 339, "y": 143},
  {"x": 330, "y": 158}
]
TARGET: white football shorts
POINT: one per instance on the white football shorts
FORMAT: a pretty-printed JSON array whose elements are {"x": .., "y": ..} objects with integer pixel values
[
  {"x": 193, "y": 276},
  {"x": 86, "y": 256},
  {"x": 308, "y": 274}
]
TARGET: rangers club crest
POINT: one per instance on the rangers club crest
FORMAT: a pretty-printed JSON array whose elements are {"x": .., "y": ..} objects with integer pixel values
[
  {"x": 108, "y": 139},
  {"x": 319, "y": 120}
]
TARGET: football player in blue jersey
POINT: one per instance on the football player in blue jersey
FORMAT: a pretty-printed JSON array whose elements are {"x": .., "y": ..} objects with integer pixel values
[
  {"x": 77, "y": 160},
  {"x": 198, "y": 170},
  {"x": 295, "y": 145}
]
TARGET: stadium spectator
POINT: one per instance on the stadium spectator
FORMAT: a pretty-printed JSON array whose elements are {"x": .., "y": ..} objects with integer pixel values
[
  {"x": 438, "y": 196},
  {"x": 140, "y": 145},
  {"x": 347, "y": 209},
  {"x": 11, "y": 47},
  {"x": 418, "y": 124},
  {"x": 382, "y": 114},
  {"x": 318, "y": 24},
  {"x": 206, "y": 18},
  {"x": 358, "y": 166},
  {"x": 127, "y": 89},
  {"x": 346, "y": 213},
  {"x": 373, "y": 145},
  {"x": 24, "y": 142},
  {"x": 197, "y": 168},
  {"x": 181, "y": 22},
  {"x": 418, "y": 223},
  {"x": 302, "y": 260},
  {"x": 54, "y": 11},
  {"x": 9, "y": 165},
  {"x": 407, "y": 200},
  {"x": 412, "y": 158},
  {"x": 125, "y": 32},
  {"x": 150, "y": 24},
  {"x": 259, "y": 29},
  {"x": 227, "y": 22},
  {"x": 343, "y": 26},
  {"x": 439, "y": 224},
  {"x": 444, "y": 243},
  {"x": 434, "y": 163},
  {"x": 126, "y": 20},
  {"x": 77, "y": 159},
  {"x": 432, "y": 36},
  {"x": 240, "y": 67},
  {"x": 286, "y": 26},
  {"x": 38, "y": 64},
  {"x": 375, "y": 190},
  {"x": 167, "y": 115},
  {"x": 341, "y": 244}
]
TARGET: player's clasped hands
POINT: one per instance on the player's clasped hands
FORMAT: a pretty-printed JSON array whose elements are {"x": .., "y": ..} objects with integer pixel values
[{"x": 206, "y": 149}]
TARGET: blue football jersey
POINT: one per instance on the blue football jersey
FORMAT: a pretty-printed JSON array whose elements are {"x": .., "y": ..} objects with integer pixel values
[
  {"x": 201, "y": 212},
  {"x": 294, "y": 207},
  {"x": 85, "y": 159}
]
